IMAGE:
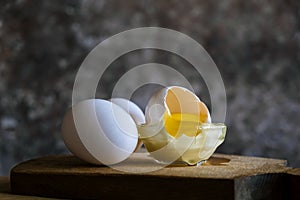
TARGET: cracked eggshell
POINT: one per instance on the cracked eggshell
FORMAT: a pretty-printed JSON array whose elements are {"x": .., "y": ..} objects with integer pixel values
[
  {"x": 104, "y": 133},
  {"x": 182, "y": 101}
]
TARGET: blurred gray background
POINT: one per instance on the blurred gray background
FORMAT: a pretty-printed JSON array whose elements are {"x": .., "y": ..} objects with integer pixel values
[{"x": 255, "y": 44}]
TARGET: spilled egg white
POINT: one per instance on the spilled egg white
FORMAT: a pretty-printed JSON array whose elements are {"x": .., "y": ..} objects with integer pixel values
[{"x": 103, "y": 132}]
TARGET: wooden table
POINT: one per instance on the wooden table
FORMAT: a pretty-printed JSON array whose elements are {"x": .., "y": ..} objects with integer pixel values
[
  {"x": 221, "y": 177},
  {"x": 5, "y": 192}
]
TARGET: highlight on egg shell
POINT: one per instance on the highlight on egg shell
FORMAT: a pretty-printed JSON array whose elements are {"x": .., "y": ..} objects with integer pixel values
[{"x": 99, "y": 132}]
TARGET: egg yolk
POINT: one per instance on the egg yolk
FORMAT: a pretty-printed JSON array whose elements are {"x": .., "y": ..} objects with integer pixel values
[
  {"x": 179, "y": 123},
  {"x": 184, "y": 113}
]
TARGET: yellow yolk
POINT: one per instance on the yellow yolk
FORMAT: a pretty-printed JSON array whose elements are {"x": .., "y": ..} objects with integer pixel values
[
  {"x": 184, "y": 113},
  {"x": 177, "y": 124},
  {"x": 185, "y": 123},
  {"x": 182, "y": 123}
]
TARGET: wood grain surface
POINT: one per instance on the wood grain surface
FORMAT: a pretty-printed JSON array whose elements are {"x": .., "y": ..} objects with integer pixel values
[{"x": 221, "y": 177}]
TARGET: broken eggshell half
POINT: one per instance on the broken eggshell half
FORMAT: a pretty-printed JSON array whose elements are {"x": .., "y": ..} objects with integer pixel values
[{"x": 178, "y": 127}]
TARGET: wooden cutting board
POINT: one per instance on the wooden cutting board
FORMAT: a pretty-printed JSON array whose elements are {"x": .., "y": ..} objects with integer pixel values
[{"x": 221, "y": 177}]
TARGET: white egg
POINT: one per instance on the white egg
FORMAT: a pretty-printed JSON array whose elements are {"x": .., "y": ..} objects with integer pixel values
[
  {"x": 103, "y": 132},
  {"x": 135, "y": 112}
]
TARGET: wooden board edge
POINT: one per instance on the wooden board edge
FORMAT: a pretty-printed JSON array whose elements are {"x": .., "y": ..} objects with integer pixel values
[
  {"x": 125, "y": 187},
  {"x": 293, "y": 183},
  {"x": 261, "y": 186}
]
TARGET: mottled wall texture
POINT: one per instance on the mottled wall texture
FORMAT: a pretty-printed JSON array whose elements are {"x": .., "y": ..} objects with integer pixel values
[{"x": 255, "y": 44}]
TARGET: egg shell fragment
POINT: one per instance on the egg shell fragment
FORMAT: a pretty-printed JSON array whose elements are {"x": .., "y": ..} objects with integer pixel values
[{"x": 174, "y": 99}]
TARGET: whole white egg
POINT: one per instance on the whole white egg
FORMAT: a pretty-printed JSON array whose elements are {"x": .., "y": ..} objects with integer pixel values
[
  {"x": 102, "y": 132},
  {"x": 135, "y": 112}
]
